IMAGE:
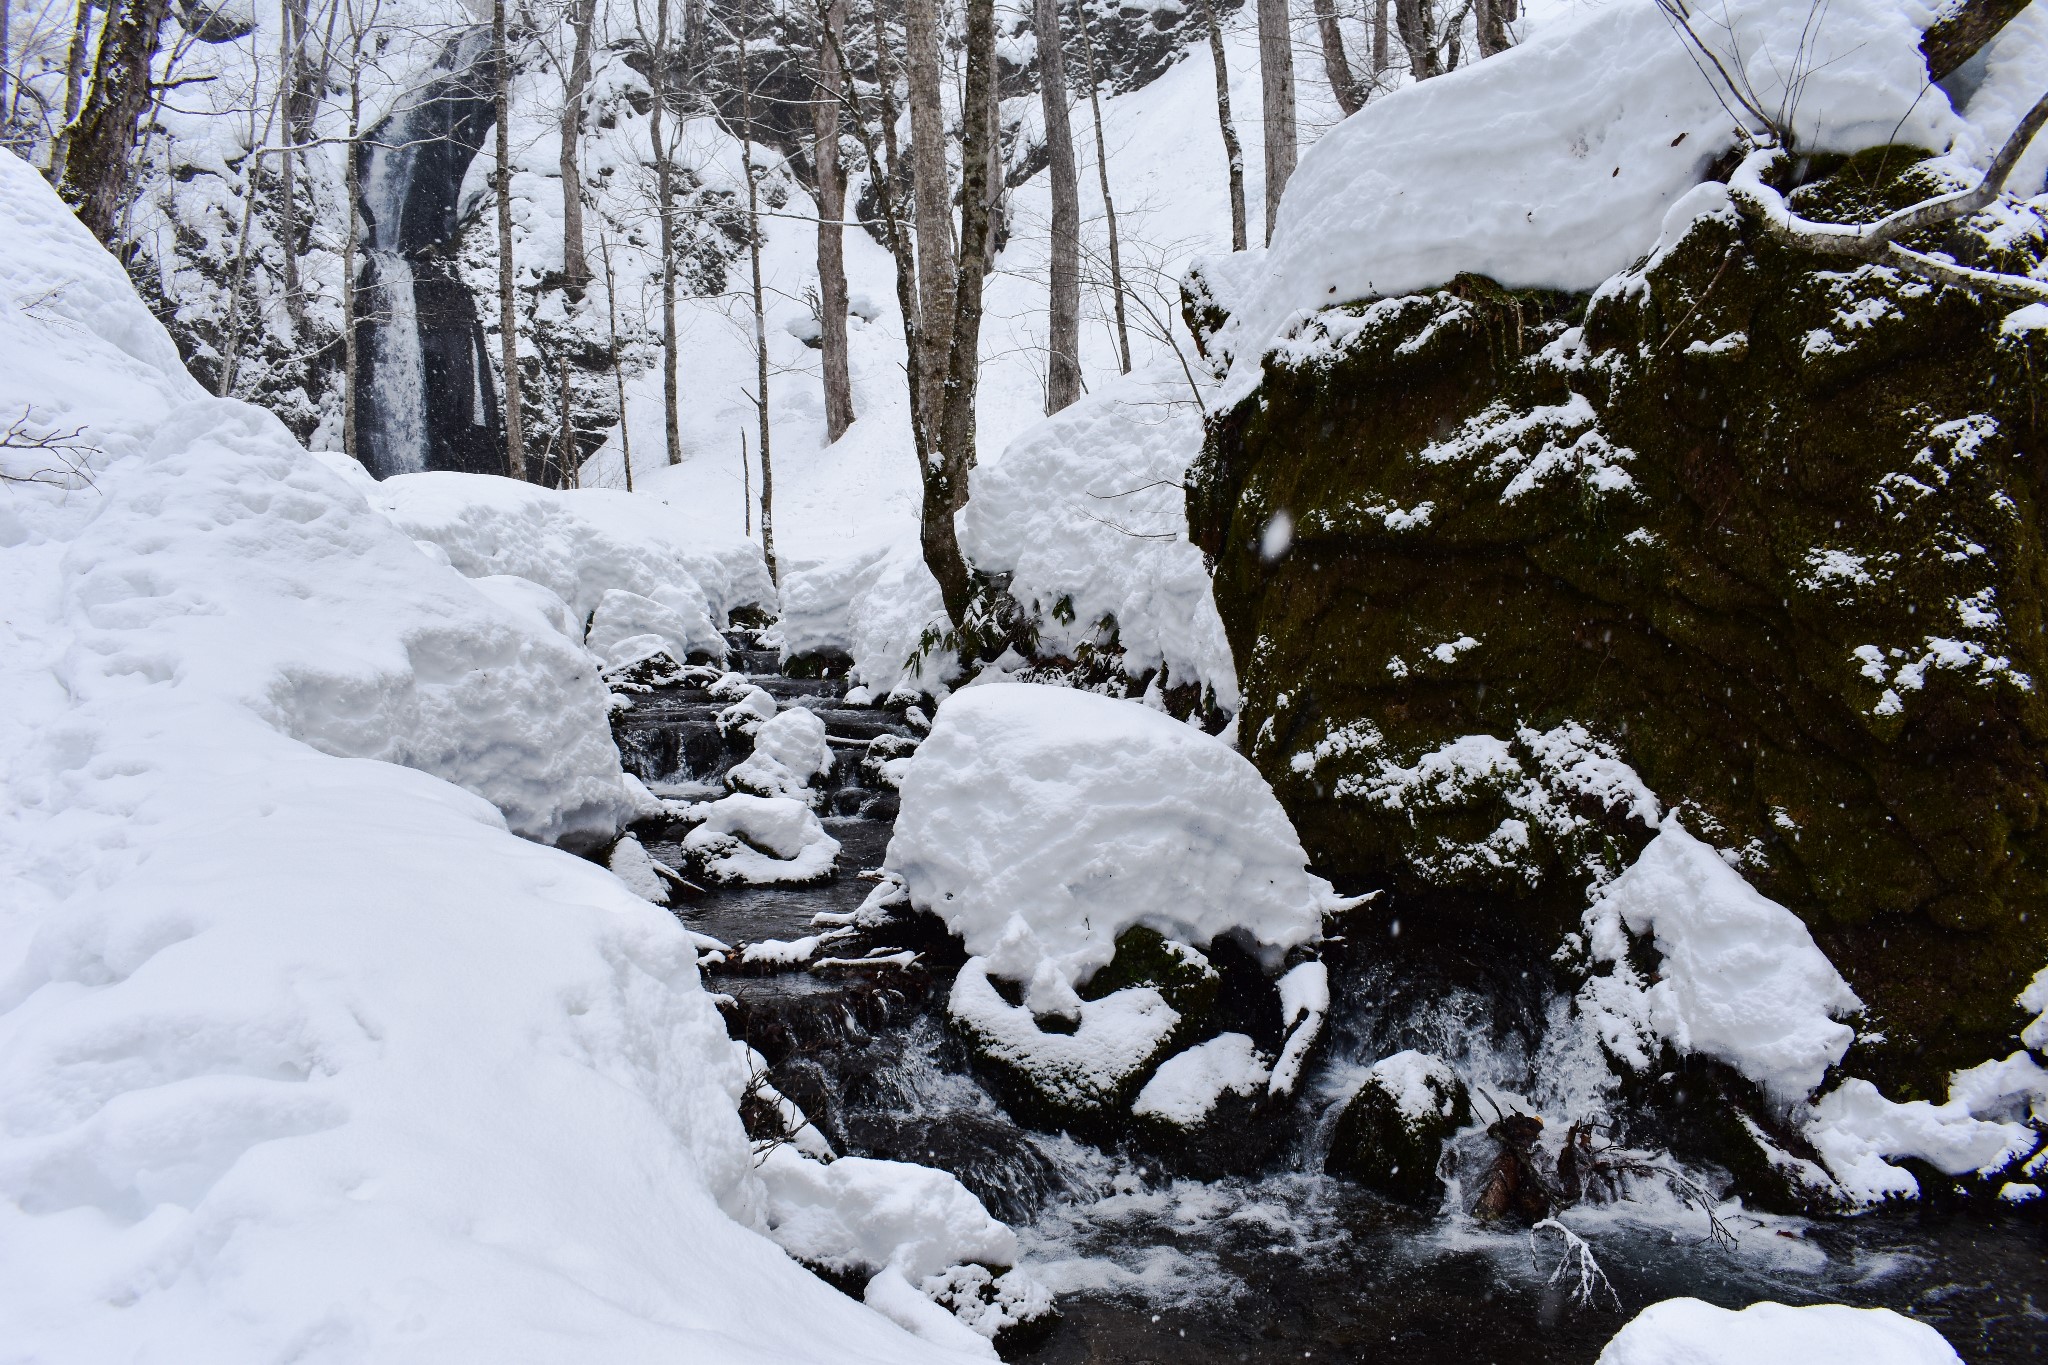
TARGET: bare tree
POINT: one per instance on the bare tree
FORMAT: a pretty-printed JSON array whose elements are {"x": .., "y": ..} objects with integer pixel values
[
  {"x": 508, "y": 311},
  {"x": 1380, "y": 56},
  {"x": 665, "y": 216},
  {"x": 74, "y": 88},
  {"x": 1276, "y": 84},
  {"x": 831, "y": 179},
  {"x": 1490, "y": 20},
  {"x": 932, "y": 193},
  {"x": 745, "y": 131},
  {"x": 1063, "y": 317},
  {"x": 1233, "y": 153},
  {"x": 1419, "y": 37},
  {"x": 100, "y": 143},
  {"x": 611, "y": 305},
  {"x": 1116, "y": 260},
  {"x": 575, "y": 260},
  {"x": 361, "y": 17},
  {"x": 1962, "y": 31},
  {"x": 1336, "y": 65}
]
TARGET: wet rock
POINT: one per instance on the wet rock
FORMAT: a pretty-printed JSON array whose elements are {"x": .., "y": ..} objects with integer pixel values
[
  {"x": 990, "y": 1155},
  {"x": 1391, "y": 1134}
]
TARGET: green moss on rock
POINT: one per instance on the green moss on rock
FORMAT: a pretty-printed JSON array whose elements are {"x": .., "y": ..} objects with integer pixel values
[
  {"x": 1391, "y": 1134},
  {"x": 1763, "y": 527}
]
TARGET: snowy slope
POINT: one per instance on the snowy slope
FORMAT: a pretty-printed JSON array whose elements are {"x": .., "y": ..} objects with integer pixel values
[{"x": 303, "y": 1055}]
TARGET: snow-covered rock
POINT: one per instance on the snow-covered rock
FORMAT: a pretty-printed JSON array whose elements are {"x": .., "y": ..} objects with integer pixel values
[
  {"x": 1855, "y": 1129},
  {"x": 1040, "y": 822},
  {"x": 876, "y": 606},
  {"x": 623, "y": 619},
  {"x": 1086, "y": 513},
  {"x": 1115, "y": 1039},
  {"x": 1740, "y": 980},
  {"x": 762, "y": 841},
  {"x": 790, "y": 750},
  {"x": 1186, "y": 1087},
  {"x": 1690, "y": 1332}
]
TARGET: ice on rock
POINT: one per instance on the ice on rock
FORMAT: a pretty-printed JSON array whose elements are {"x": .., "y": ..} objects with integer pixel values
[
  {"x": 790, "y": 750},
  {"x": 1041, "y": 822},
  {"x": 762, "y": 841},
  {"x": 1690, "y": 1332},
  {"x": 1740, "y": 980},
  {"x": 1185, "y": 1089}
]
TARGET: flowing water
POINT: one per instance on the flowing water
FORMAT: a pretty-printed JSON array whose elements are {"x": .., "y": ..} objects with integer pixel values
[{"x": 1287, "y": 1265}]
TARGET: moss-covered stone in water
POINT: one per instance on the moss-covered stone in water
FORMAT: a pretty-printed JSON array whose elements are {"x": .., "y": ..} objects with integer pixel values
[
  {"x": 1388, "y": 1141},
  {"x": 1762, "y": 526}
]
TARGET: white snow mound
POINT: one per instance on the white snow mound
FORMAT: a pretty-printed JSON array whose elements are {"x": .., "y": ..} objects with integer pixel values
[
  {"x": 1187, "y": 1086},
  {"x": 1691, "y": 1332},
  {"x": 1040, "y": 822},
  {"x": 762, "y": 841},
  {"x": 1741, "y": 979},
  {"x": 789, "y": 750}
]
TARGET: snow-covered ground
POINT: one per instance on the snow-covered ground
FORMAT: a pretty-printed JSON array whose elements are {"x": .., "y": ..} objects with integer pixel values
[{"x": 304, "y": 1054}]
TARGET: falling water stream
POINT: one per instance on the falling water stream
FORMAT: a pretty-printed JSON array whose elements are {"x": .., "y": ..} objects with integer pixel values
[{"x": 1289, "y": 1264}]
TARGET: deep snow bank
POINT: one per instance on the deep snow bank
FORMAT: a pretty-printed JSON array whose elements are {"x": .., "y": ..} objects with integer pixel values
[
  {"x": 304, "y": 1056},
  {"x": 1040, "y": 822},
  {"x": 1552, "y": 164}
]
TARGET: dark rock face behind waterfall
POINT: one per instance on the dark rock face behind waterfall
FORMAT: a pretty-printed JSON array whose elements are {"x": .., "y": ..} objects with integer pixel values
[
  {"x": 423, "y": 387},
  {"x": 1764, "y": 527}
]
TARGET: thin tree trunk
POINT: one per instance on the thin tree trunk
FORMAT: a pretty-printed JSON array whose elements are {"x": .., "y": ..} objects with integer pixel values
[
  {"x": 1233, "y": 152},
  {"x": 1335, "y": 64},
  {"x": 611, "y": 308},
  {"x": 508, "y": 312},
  {"x": 572, "y": 472},
  {"x": 1063, "y": 326},
  {"x": 1412, "y": 17},
  {"x": 291, "y": 31},
  {"x": 352, "y": 190},
  {"x": 760, "y": 312},
  {"x": 1276, "y": 84},
  {"x": 1116, "y": 263},
  {"x": 575, "y": 261},
  {"x": 665, "y": 215},
  {"x": 6, "y": 110},
  {"x": 1380, "y": 57},
  {"x": 74, "y": 87},
  {"x": 932, "y": 193},
  {"x": 831, "y": 231},
  {"x": 231, "y": 361},
  {"x": 103, "y": 137},
  {"x": 945, "y": 481},
  {"x": 1490, "y": 22}
]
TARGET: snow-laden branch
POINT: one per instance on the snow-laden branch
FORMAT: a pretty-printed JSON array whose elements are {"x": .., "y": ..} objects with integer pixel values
[{"x": 1877, "y": 241}]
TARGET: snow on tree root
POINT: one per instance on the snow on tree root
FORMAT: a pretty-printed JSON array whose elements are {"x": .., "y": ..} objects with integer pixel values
[
  {"x": 1041, "y": 822},
  {"x": 1690, "y": 1332}
]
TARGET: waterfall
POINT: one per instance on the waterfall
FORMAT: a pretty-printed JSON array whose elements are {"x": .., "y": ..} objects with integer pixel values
[{"x": 424, "y": 390}]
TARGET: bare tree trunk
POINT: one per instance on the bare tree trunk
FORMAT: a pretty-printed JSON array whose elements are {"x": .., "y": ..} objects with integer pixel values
[
  {"x": 1962, "y": 32},
  {"x": 611, "y": 308},
  {"x": 760, "y": 312},
  {"x": 508, "y": 312},
  {"x": 665, "y": 215},
  {"x": 1276, "y": 83},
  {"x": 291, "y": 32},
  {"x": 1063, "y": 327},
  {"x": 945, "y": 476},
  {"x": 352, "y": 190},
  {"x": 102, "y": 138},
  {"x": 1380, "y": 56},
  {"x": 575, "y": 261},
  {"x": 74, "y": 88},
  {"x": 932, "y": 193},
  {"x": 231, "y": 360},
  {"x": 1233, "y": 152},
  {"x": 1116, "y": 263},
  {"x": 1490, "y": 24},
  {"x": 572, "y": 473},
  {"x": 1335, "y": 64},
  {"x": 693, "y": 36},
  {"x": 831, "y": 231},
  {"x": 1419, "y": 37}
]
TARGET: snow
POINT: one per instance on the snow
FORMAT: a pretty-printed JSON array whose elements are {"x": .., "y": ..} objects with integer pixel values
[
  {"x": 1690, "y": 1332},
  {"x": 303, "y": 1052},
  {"x": 790, "y": 749},
  {"x": 1304, "y": 1004},
  {"x": 1040, "y": 822},
  {"x": 1185, "y": 1089},
  {"x": 1421, "y": 1086},
  {"x": 1114, "y": 1039},
  {"x": 2034, "y": 1000},
  {"x": 1854, "y": 1128},
  {"x": 623, "y": 619},
  {"x": 1740, "y": 978},
  {"x": 1552, "y": 164},
  {"x": 1087, "y": 513},
  {"x": 761, "y": 841}
]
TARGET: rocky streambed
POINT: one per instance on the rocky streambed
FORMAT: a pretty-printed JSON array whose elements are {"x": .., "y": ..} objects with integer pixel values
[{"x": 1287, "y": 1231}]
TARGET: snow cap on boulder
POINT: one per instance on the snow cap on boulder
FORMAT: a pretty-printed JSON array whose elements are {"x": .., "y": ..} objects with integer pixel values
[
  {"x": 1041, "y": 822},
  {"x": 1691, "y": 1332}
]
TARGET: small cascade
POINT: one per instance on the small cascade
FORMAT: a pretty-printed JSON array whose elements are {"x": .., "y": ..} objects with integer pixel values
[
  {"x": 424, "y": 391},
  {"x": 1281, "y": 1263}
]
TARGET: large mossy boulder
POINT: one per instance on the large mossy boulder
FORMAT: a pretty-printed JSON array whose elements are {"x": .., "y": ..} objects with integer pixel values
[
  {"x": 1390, "y": 1136},
  {"x": 1749, "y": 534}
]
